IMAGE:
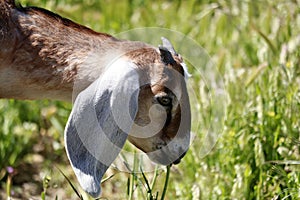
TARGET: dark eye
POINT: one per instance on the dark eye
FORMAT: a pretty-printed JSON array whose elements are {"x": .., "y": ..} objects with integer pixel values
[{"x": 164, "y": 100}]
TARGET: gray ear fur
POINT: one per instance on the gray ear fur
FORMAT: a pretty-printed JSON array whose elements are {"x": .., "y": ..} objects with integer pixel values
[
  {"x": 99, "y": 123},
  {"x": 167, "y": 44}
]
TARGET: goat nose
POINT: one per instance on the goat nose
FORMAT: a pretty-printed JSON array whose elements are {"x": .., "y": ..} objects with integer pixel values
[{"x": 179, "y": 159}]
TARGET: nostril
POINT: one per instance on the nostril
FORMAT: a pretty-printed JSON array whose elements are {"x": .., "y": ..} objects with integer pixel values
[{"x": 159, "y": 146}]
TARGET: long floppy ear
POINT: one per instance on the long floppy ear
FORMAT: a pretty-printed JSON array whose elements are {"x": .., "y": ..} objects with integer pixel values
[{"x": 99, "y": 123}]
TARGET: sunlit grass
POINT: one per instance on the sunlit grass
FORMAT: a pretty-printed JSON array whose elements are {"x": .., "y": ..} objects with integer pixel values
[{"x": 255, "y": 46}]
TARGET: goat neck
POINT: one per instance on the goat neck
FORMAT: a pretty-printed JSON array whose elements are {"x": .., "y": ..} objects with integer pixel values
[{"x": 43, "y": 55}]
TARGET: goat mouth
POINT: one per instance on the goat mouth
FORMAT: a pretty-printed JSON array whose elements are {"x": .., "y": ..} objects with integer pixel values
[
  {"x": 176, "y": 162},
  {"x": 165, "y": 157}
]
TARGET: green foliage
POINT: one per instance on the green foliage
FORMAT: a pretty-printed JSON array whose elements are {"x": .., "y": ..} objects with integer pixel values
[
  {"x": 25, "y": 124},
  {"x": 16, "y": 131},
  {"x": 256, "y": 48}
]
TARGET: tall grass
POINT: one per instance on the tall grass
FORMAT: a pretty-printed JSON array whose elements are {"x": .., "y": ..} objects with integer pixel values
[{"x": 255, "y": 45}]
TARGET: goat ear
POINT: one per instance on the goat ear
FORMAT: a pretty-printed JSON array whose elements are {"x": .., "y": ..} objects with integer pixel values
[
  {"x": 167, "y": 44},
  {"x": 100, "y": 121},
  {"x": 166, "y": 55}
]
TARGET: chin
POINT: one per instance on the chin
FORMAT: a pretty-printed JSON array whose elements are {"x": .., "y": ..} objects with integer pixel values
[{"x": 163, "y": 158}]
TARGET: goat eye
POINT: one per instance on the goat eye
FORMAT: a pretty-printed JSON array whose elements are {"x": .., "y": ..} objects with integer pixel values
[{"x": 164, "y": 101}]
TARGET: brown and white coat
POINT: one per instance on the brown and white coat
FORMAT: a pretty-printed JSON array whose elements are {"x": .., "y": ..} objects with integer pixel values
[{"x": 120, "y": 89}]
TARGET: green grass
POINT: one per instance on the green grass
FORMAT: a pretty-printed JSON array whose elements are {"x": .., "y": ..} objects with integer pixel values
[{"x": 255, "y": 47}]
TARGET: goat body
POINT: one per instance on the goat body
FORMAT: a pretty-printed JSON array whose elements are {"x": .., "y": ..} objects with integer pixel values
[
  {"x": 46, "y": 53},
  {"x": 121, "y": 89}
]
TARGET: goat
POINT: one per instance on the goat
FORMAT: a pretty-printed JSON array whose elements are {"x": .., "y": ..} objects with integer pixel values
[{"x": 121, "y": 89}]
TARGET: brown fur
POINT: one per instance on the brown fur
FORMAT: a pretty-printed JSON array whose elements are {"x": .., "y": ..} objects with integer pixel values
[
  {"x": 43, "y": 56},
  {"x": 41, "y": 50}
]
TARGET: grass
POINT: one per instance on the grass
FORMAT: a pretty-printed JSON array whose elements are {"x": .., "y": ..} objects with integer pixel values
[{"x": 255, "y": 49}]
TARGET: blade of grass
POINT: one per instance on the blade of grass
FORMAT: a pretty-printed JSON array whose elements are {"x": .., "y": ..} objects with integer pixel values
[
  {"x": 146, "y": 180},
  {"x": 71, "y": 184},
  {"x": 166, "y": 183},
  {"x": 108, "y": 178},
  {"x": 154, "y": 177},
  {"x": 8, "y": 186},
  {"x": 149, "y": 190},
  {"x": 255, "y": 74},
  {"x": 46, "y": 181},
  {"x": 265, "y": 37},
  {"x": 132, "y": 178}
]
